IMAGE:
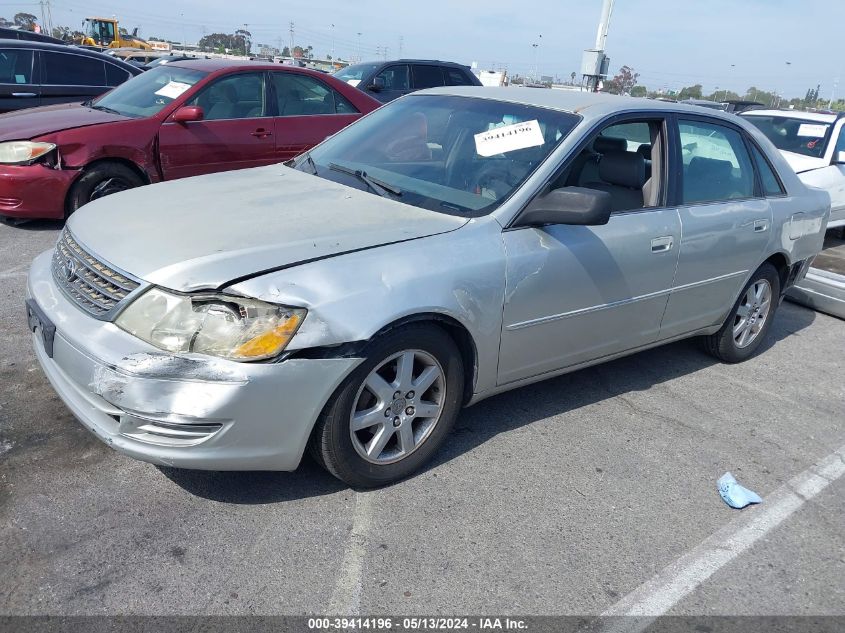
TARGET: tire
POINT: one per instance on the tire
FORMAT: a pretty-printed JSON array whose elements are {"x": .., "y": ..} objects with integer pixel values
[
  {"x": 750, "y": 319},
  {"x": 99, "y": 181},
  {"x": 392, "y": 440}
]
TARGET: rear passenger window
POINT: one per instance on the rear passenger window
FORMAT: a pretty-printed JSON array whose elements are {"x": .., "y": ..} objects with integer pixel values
[
  {"x": 115, "y": 76},
  {"x": 61, "y": 69},
  {"x": 716, "y": 163},
  {"x": 456, "y": 77},
  {"x": 301, "y": 95},
  {"x": 770, "y": 182},
  {"x": 15, "y": 66},
  {"x": 426, "y": 76}
]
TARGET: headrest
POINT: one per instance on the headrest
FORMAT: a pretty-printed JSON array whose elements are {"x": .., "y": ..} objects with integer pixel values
[
  {"x": 710, "y": 168},
  {"x": 645, "y": 151},
  {"x": 625, "y": 169},
  {"x": 605, "y": 144}
]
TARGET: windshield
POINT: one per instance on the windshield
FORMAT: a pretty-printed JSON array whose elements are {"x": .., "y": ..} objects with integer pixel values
[
  {"x": 800, "y": 136},
  {"x": 147, "y": 94},
  {"x": 355, "y": 73},
  {"x": 458, "y": 155}
]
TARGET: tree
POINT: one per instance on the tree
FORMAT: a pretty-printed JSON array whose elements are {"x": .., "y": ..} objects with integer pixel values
[
  {"x": 691, "y": 92},
  {"x": 26, "y": 21},
  {"x": 622, "y": 83},
  {"x": 285, "y": 52},
  {"x": 5, "y": 22},
  {"x": 572, "y": 76},
  {"x": 244, "y": 38},
  {"x": 639, "y": 91},
  {"x": 62, "y": 33}
]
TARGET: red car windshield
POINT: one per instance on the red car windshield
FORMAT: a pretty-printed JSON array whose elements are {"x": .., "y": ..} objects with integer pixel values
[{"x": 146, "y": 94}]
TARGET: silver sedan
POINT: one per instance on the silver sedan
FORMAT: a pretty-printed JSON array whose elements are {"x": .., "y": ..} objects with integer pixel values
[{"x": 452, "y": 245}]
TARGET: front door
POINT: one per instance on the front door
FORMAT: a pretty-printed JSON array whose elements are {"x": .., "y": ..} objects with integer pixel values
[
  {"x": 237, "y": 130},
  {"x": 579, "y": 293},
  {"x": 396, "y": 81},
  {"x": 727, "y": 225},
  {"x": 18, "y": 84}
]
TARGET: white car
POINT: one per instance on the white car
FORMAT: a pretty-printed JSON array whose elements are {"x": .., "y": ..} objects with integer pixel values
[{"x": 814, "y": 146}]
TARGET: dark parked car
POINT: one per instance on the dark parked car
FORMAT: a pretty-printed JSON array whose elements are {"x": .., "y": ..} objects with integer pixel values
[
  {"x": 20, "y": 34},
  {"x": 180, "y": 119},
  {"x": 388, "y": 80},
  {"x": 37, "y": 74}
]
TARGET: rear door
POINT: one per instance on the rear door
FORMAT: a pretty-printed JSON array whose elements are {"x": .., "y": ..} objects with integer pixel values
[
  {"x": 832, "y": 177},
  {"x": 726, "y": 219},
  {"x": 308, "y": 111},
  {"x": 235, "y": 133},
  {"x": 69, "y": 77},
  {"x": 18, "y": 79},
  {"x": 426, "y": 76}
]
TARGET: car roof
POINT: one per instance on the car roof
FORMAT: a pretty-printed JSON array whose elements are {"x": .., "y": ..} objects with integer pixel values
[
  {"x": 412, "y": 61},
  {"x": 212, "y": 65},
  {"x": 794, "y": 114},
  {"x": 69, "y": 49},
  {"x": 587, "y": 104}
]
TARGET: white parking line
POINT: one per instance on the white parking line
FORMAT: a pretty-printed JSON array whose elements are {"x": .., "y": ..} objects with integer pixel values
[
  {"x": 679, "y": 579},
  {"x": 346, "y": 598},
  {"x": 17, "y": 271}
]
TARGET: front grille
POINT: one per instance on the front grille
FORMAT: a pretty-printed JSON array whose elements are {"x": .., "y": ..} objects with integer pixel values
[{"x": 88, "y": 282}]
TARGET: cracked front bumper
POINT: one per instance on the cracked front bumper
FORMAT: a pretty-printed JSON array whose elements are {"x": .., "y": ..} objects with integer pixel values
[{"x": 186, "y": 410}]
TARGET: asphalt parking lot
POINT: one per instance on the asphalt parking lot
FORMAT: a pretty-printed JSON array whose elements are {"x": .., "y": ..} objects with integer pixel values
[{"x": 560, "y": 498}]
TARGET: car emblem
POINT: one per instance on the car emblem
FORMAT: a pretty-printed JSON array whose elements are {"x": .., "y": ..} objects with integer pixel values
[{"x": 69, "y": 270}]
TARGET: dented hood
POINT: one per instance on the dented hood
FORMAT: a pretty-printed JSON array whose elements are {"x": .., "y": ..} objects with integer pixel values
[
  {"x": 29, "y": 124},
  {"x": 204, "y": 232}
]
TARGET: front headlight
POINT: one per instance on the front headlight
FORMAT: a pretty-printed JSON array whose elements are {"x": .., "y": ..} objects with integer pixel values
[
  {"x": 22, "y": 152},
  {"x": 220, "y": 325}
]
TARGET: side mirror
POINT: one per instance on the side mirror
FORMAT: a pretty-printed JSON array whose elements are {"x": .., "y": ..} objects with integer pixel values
[
  {"x": 839, "y": 158},
  {"x": 568, "y": 205},
  {"x": 188, "y": 113},
  {"x": 377, "y": 85}
]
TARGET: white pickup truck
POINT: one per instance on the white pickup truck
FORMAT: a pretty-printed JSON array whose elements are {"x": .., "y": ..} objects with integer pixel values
[{"x": 814, "y": 146}]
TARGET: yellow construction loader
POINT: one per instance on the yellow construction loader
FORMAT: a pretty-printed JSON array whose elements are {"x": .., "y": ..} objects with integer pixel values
[{"x": 105, "y": 32}]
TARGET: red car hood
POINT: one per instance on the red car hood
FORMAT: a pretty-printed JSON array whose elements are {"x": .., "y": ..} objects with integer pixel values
[{"x": 34, "y": 122}]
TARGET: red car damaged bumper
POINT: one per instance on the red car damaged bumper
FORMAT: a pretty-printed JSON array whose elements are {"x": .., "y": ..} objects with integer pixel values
[{"x": 34, "y": 191}]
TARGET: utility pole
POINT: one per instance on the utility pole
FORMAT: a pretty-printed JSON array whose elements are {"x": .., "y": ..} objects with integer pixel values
[
  {"x": 359, "y": 46},
  {"x": 595, "y": 62},
  {"x": 332, "y": 42},
  {"x": 291, "y": 39},
  {"x": 832, "y": 93},
  {"x": 401, "y": 45}
]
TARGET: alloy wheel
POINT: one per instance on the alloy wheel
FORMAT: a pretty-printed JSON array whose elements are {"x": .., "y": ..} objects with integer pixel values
[{"x": 752, "y": 313}]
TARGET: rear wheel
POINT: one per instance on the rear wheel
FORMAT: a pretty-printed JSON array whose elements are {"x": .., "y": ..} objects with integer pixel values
[
  {"x": 750, "y": 319},
  {"x": 100, "y": 181},
  {"x": 393, "y": 412}
]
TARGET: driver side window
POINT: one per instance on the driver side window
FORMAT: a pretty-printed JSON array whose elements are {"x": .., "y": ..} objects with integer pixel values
[
  {"x": 624, "y": 160},
  {"x": 395, "y": 77}
]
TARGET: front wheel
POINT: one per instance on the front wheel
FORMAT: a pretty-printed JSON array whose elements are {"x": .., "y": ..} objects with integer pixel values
[
  {"x": 100, "y": 181},
  {"x": 393, "y": 412},
  {"x": 749, "y": 322}
]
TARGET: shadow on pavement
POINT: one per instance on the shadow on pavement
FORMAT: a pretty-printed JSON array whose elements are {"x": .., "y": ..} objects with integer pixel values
[
  {"x": 485, "y": 420},
  {"x": 32, "y": 225}
]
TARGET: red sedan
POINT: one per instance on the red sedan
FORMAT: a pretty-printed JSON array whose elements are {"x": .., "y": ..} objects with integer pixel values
[{"x": 181, "y": 119}]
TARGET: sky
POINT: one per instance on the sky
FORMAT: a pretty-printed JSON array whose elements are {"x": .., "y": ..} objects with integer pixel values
[{"x": 729, "y": 44}]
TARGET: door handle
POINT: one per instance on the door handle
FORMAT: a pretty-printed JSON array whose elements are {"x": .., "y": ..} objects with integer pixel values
[
  {"x": 261, "y": 133},
  {"x": 761, "y": 225},
  {"x": 662, "y": 244},
  {"x": 24, "y": 94}
]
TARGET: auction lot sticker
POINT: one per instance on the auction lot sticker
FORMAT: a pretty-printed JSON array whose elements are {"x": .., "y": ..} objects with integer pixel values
[
  {"x": 508, "y": 138},
  {"x": 173, "y": 89}
]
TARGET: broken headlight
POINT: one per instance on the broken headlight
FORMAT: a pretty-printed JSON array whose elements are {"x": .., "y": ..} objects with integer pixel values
[{"x": 230, "y": 327}]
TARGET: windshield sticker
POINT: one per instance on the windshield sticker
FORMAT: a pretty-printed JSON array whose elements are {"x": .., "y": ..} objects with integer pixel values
[
  {"x": 173, "y": 90},
  {"x": 811, "y": 129},
  {"x": 509, "y": 138}
]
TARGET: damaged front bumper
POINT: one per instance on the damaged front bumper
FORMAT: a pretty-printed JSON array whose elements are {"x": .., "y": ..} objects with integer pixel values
[{"x": 187, "y": 410}]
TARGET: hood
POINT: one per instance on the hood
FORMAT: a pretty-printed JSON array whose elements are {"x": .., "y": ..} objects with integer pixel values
[
  {"x": 204, "y": 232},
  {"x": 34, "y": 122},
  {"x": 800, "y": 163}
]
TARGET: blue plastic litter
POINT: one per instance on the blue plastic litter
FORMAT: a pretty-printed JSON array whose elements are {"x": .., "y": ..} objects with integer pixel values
[{"x": 735, "y": 495}]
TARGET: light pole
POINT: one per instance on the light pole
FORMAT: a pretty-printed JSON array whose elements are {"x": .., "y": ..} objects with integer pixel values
[
  {"x": 359, "y": 46},
  {"x": 536, "y": 59},
  {"x": 333, "y": 42}
]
